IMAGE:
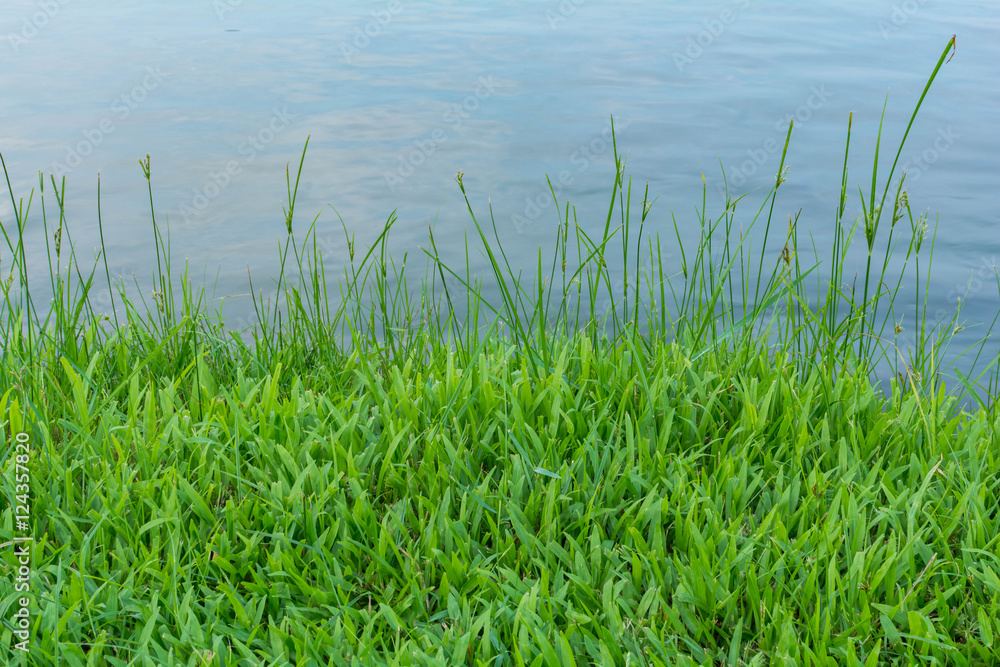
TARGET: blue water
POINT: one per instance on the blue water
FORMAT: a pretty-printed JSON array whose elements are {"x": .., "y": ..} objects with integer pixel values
[{"x": 399, "y": 96}]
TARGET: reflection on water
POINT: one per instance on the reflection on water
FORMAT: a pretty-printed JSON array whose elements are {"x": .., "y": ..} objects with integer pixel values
[{"x": 398, "y": 96}]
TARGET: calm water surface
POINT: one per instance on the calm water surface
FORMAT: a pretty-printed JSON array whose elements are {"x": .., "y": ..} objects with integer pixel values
[{"x": 399, "y": 96}]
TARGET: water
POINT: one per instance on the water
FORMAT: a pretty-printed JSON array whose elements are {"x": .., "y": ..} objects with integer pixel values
[{"x": 399, "y": 96}]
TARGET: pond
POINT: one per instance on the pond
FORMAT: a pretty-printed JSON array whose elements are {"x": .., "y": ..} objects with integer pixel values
[{"x": 398, "y": 96}]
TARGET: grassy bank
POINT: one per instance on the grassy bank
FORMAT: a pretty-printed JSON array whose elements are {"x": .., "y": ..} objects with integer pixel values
[{"x": 703, "y": 472}]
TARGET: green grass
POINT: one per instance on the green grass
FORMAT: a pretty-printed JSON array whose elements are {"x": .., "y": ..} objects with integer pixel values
[{"x": 708, "y": 474}]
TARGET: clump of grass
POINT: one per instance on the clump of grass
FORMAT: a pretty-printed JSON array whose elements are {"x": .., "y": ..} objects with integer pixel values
[{"x": 700, "y": 473}]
